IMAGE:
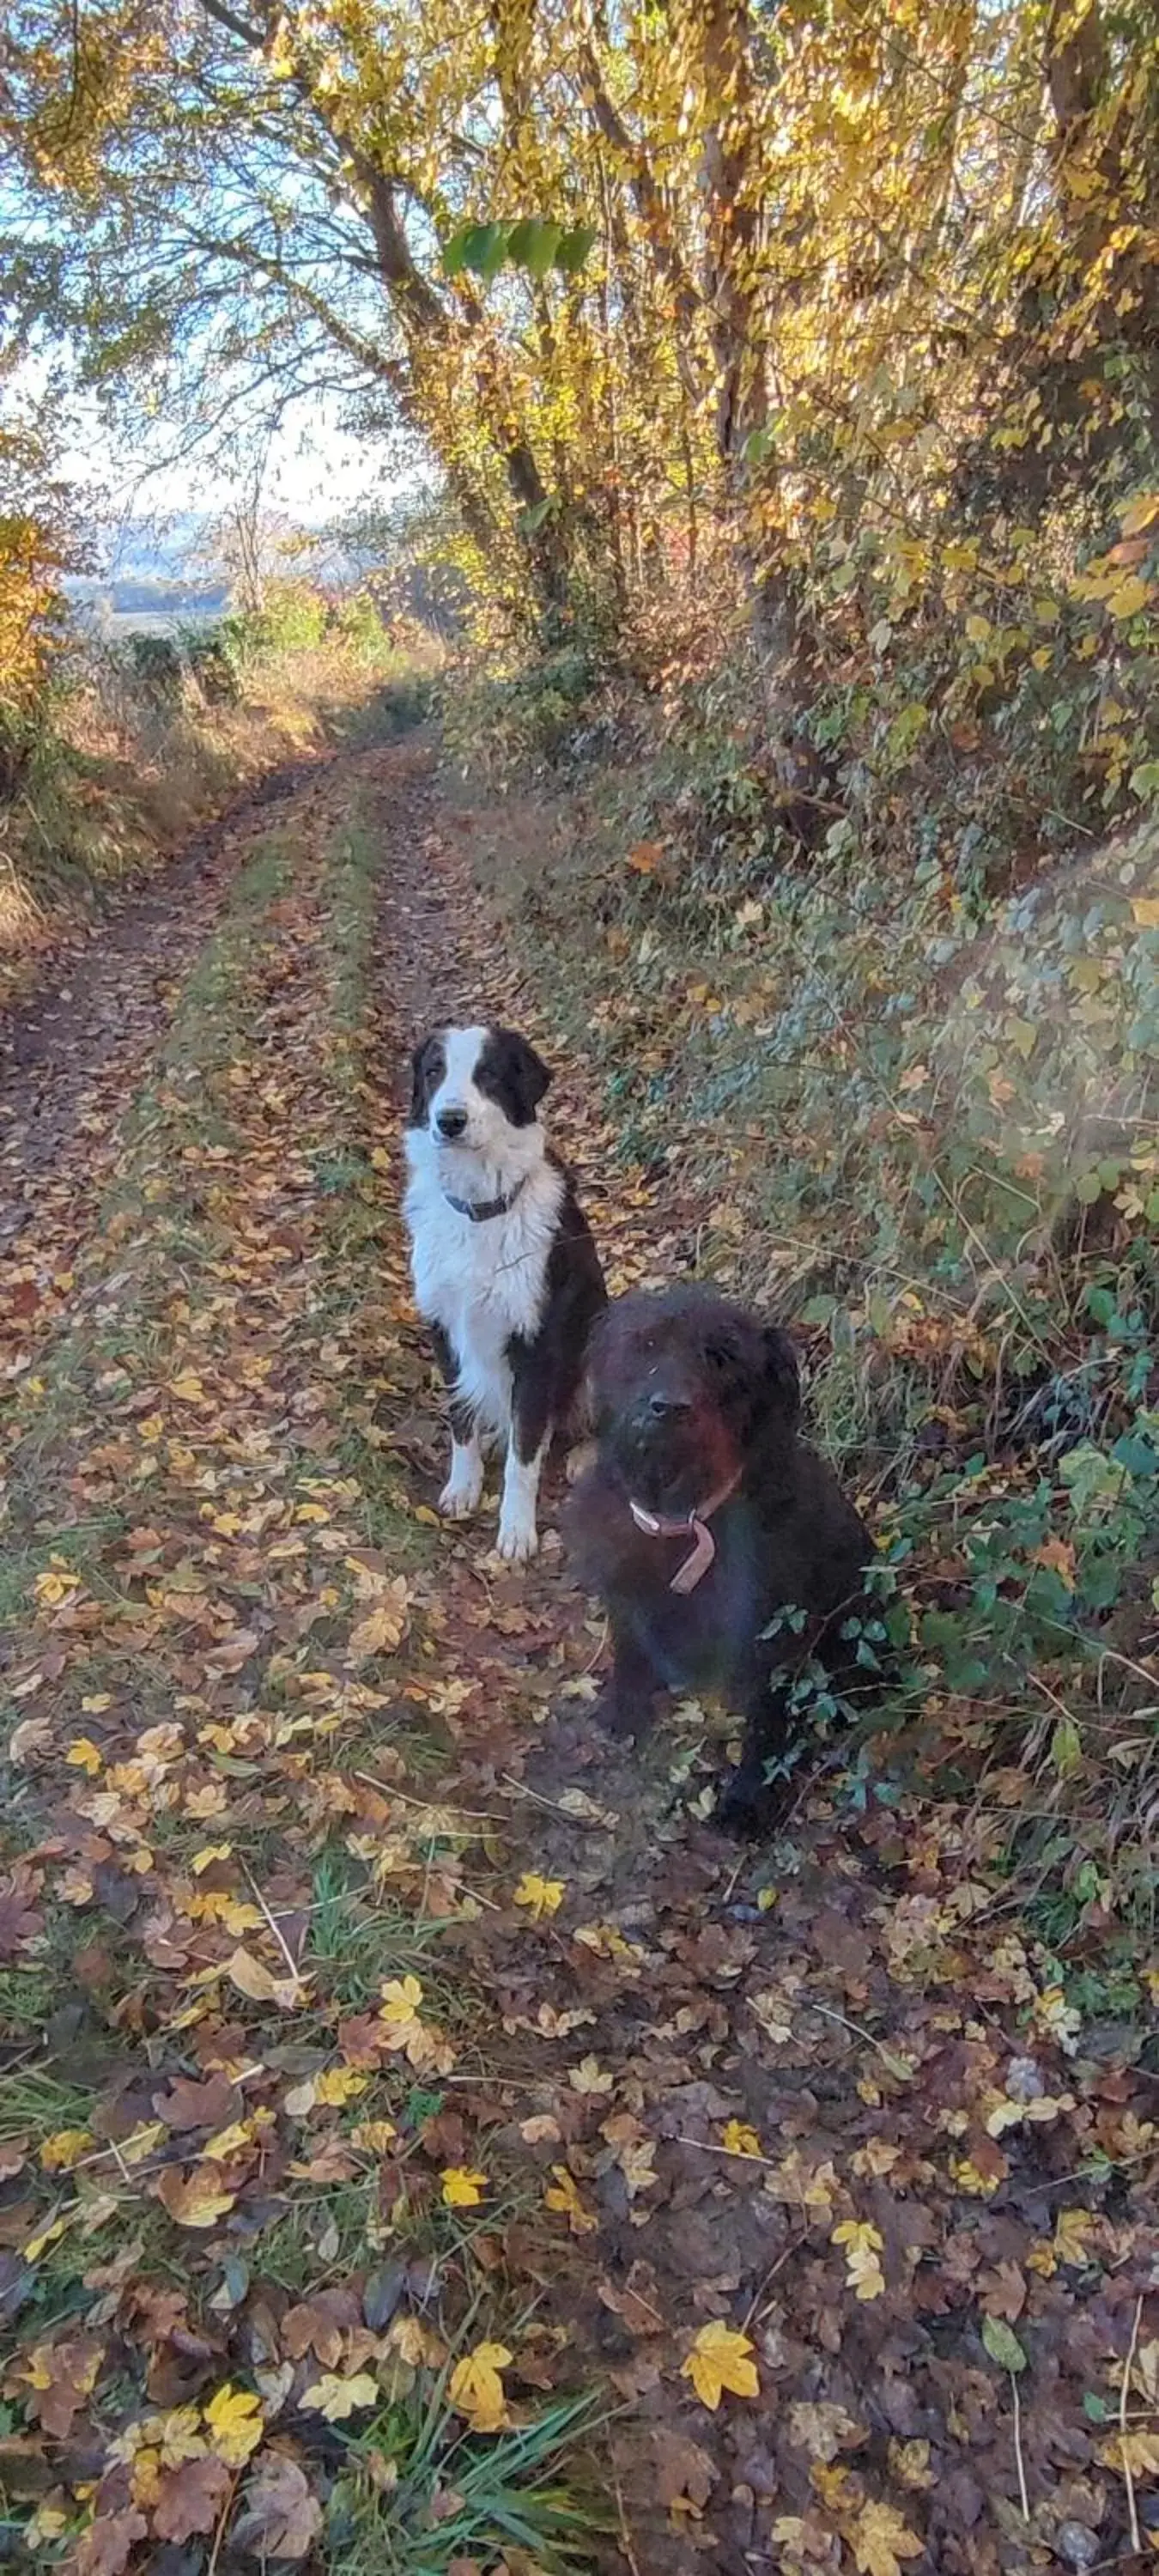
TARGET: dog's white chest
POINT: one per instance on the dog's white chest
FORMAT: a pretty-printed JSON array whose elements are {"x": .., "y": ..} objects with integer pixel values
[{"x": 483, "y": 1282}]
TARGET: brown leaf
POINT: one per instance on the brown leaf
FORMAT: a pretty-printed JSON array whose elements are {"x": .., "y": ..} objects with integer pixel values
[
  {"x": 187, "y": 2105},
  {"x": 320, "y": 2325},
  {"x": 20, "y": 1919},
  {"x": 234, "y": 1651},
  {"x": 683, "y": 2472},
  {"x": 109, "y": 2545},
  {"x": 282, "y": 2517},
  {"x": 194, "y": 2199},
  {"x": 1002, "y": 2291},
  {"x": 191, "y": 2498}
]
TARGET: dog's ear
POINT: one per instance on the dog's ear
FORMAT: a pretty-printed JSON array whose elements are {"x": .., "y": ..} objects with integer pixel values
[
  {"x": 782, "y": 1382},
  {"x": 425, "y": 1071},
  {"x": 525, "y": 1075}
]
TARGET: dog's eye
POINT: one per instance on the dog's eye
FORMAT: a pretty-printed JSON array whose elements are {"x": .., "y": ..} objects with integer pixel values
[{"x": 718, "y": 1356}]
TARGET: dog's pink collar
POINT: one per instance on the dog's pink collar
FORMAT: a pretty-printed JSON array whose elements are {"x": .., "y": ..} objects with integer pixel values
[{"x": 693, "y": 1525}]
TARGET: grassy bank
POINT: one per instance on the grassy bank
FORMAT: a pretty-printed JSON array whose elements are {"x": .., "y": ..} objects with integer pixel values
[{"x": 920, "y": 1119}]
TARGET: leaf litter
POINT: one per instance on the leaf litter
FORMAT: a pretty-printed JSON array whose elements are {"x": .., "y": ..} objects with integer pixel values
[{"x": 389, "y": 2061}]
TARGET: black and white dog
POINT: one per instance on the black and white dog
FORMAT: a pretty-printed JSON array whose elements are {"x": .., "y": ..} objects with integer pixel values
[{"x": 504, "y": 1267}]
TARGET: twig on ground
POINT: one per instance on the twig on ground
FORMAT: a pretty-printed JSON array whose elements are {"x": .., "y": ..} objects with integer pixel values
[
  {"x": 1124, "y": 2393},
  {"x": 1018, "y": 2447},
  {"x": 274, "y": 1927}
]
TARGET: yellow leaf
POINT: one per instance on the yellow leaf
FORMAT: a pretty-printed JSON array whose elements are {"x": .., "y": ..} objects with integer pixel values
[
  {"x": 565, "y": 2197},
  {"x": 254, "y": 1979},
  {"x": 1146, "y": 910},
  {"x": 719, "y": 2359},
  {"x": 235, "y": 2424},
  {"x": 312, "y": 1513},
  {"x": 64, "y": 2149},
  {"x": 476, "y": 2389},
  {"x": 540, "y": 1895},
  {"x": 210, "y": 1852},
  {"x": 55, "y": 1584},
  {"x": 881, "y": 2540},
  {"x": 339, "y": 2084},
  {"x": 188, "y": 1388},
  {"x": 1140, "y": 513},
  {"x": 1130, "y": 596},
  {"x": 336, "y": 2398},
  {"x": 228, "y": 2142},
  {"x": 401, "y": 1999},
  {"x": 84, "y": 1755},
  {"x": 46, "y": 2236},
  {"x": 740, "y": 2139},
  {"x": 1073, "y": 2230},
  {"x": 590, "y": 2077},
  {"x": 463, "y": 2187},
  {"x": 96, "y": 1702},
  {"x": 862, "y": 2245},
  {"x": 196, "y": 2199},
  {"x": 373, "y": 2137},
  {"x": 381, "y": 1631}
]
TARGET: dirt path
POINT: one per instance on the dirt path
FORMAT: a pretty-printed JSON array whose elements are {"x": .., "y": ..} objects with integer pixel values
[{"x": 405, "y": 2021}]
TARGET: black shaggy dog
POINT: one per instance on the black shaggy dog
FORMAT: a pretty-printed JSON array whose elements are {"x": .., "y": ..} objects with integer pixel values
[{"x": 704, "y": 1516}]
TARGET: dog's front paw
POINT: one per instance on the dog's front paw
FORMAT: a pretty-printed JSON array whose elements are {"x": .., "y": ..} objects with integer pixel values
[
  {"x": 518, "y": 1538},
  {"x": 621, "y": 1715},
  {"x": 463, "y": 1491},
  {"x": 748, "y": 1805}
]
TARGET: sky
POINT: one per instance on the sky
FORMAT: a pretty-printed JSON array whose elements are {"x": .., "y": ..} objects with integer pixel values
[{"x": 315, "y": 471}]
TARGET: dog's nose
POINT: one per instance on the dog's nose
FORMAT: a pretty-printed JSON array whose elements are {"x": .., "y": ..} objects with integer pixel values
[
  {"x": 664, "y": 1405},
  {"x": 451, "y": 1122}
]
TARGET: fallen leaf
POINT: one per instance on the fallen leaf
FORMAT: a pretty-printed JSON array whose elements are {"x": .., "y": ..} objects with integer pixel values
[
  {"x": 740, "y": 2140},
  {"x": 881, "y": 2540},
  {"x": 282, "y": 2517},
  {"x": 720, "y": 2359},
  {"x": 195, "y": 2199},
  {"x": 563, "y": 2194},
  {"x": 337, "y": 2398},
  {"x": 108, "y": 2544},
  {"x": 463, "y": 2188},
  {"x": 861, "y": 2245},
  {"x": 539, "y": 1895},
  {"x": 821, "y": 2428},
  {"x": 189, "y": 2499},
  {"x": 475, "y": 2388},
  {"x": 234, "y": 2423}
]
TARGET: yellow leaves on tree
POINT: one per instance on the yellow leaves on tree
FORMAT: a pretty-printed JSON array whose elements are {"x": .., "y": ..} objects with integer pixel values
[
  {"x": 476, "y": 2389},
  {"x": 720, "y": 2359}
]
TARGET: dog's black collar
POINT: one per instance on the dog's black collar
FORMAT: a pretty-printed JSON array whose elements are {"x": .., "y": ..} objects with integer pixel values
[{"x": 479, "y": 1210}]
